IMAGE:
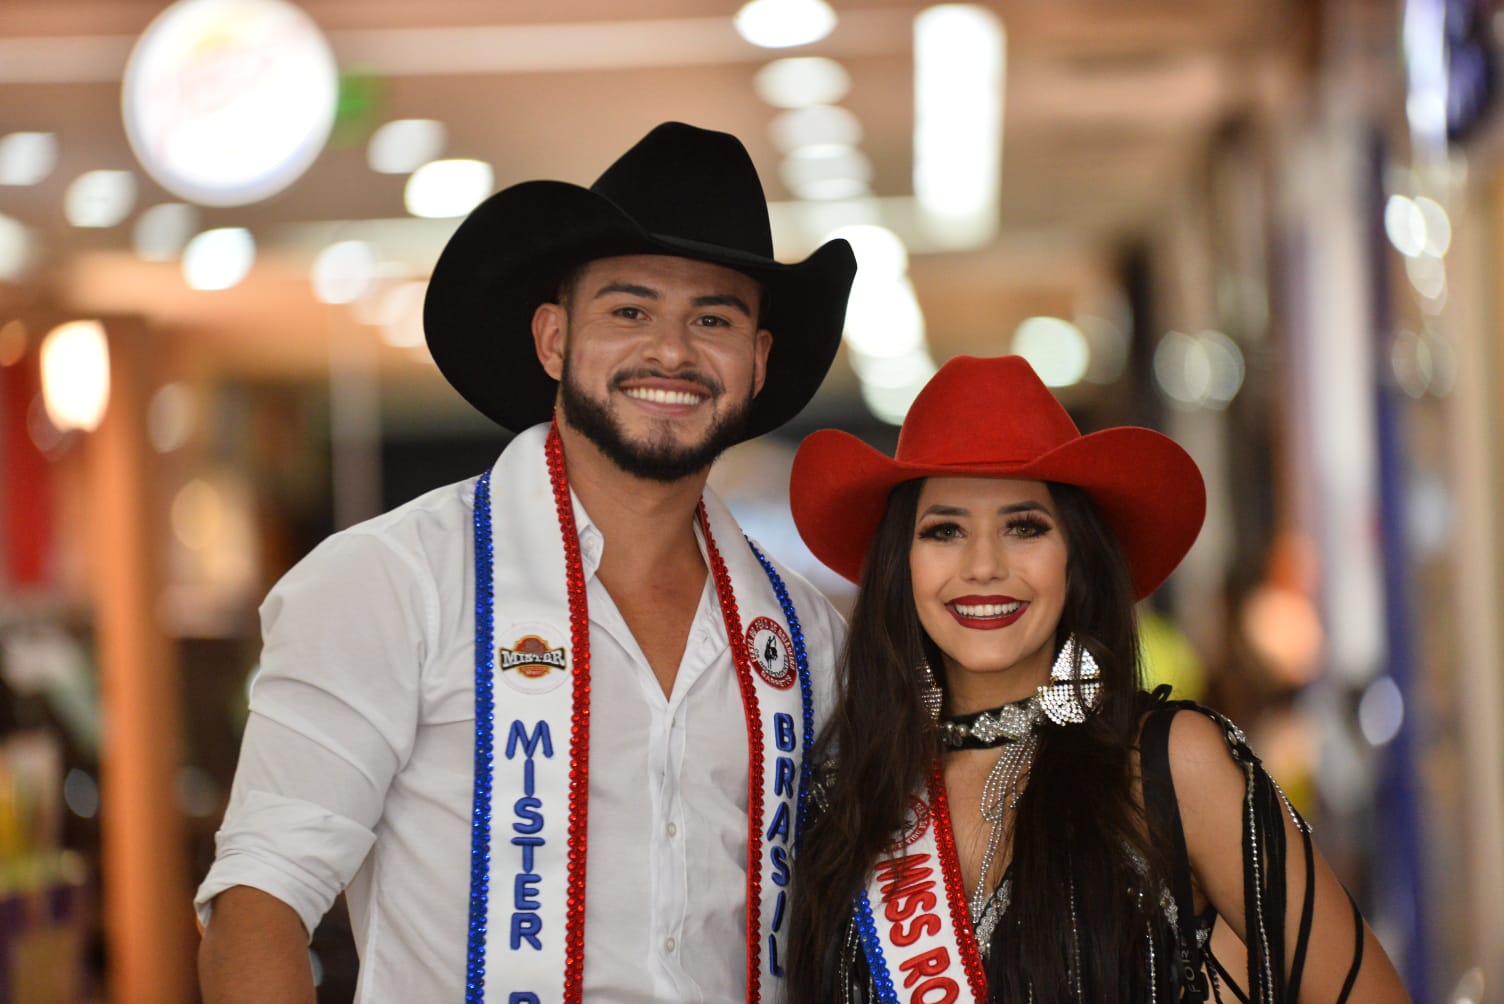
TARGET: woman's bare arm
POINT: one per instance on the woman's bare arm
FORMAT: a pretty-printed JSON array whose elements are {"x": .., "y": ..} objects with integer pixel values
[{"x": 1209, "y": 787}]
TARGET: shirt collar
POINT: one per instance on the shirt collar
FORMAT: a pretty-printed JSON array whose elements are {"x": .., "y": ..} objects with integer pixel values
[{"x": 593, "y": 542}]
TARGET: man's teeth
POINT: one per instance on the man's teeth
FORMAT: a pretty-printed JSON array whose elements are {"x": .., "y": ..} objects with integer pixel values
[
  {"x": 987, "y": 609},
  {"x": 663, "y": 396}
]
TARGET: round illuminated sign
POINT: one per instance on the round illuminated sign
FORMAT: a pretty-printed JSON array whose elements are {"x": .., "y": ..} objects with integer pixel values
[{"x": 228, "y": 102}]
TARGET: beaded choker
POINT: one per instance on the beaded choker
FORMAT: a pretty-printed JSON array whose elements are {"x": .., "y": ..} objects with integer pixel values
[{"x": 991, "y": 728}]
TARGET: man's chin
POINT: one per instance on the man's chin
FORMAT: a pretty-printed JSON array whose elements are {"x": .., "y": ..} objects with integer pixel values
[{"x": 659, "y": 454}]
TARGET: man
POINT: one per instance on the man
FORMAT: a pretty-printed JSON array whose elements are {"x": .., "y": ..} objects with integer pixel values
[{"x": 546, "y": 727}]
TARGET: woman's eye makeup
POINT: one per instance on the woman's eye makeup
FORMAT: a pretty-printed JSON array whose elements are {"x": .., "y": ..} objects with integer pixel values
[
  {"x": 1025, "y": 525},
  {"x": 939, "y": 530},
  {"x": 1029, "y": 526}
]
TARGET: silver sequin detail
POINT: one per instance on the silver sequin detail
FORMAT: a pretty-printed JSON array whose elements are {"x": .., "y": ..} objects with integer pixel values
[{"x": 1012, "y": 721}]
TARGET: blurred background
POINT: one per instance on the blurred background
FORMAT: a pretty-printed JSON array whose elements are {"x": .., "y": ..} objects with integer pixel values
[{"x": 1271, "y": 230}]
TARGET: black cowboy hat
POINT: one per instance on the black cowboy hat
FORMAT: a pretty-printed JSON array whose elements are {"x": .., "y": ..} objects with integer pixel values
[{"x": 681, "y": 191}]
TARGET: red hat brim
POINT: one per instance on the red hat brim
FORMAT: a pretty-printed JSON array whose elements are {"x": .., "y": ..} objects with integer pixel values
[{"x": 1145, "y": 487}]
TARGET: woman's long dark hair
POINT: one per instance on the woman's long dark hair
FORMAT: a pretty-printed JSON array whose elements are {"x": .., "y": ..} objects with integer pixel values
[{"x": 1076, "y": 918}]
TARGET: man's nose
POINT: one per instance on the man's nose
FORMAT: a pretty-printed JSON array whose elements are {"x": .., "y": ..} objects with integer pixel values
[{"x": 669, "y": 342}]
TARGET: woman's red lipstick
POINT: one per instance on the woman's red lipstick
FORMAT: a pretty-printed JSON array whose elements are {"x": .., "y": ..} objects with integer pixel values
[{"x": 986, "y": 613}]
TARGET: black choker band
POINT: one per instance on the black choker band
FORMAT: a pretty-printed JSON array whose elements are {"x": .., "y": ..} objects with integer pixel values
[{"x": 991, "y": 728}]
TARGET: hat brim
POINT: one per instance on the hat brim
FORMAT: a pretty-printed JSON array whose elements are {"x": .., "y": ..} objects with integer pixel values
[
  {"x": 1146, "y": 488},
  {"x": 510, "y": 253}
]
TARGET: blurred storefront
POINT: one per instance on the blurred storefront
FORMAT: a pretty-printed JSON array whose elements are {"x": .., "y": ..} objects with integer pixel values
[{"x": 1269, "y": 252}]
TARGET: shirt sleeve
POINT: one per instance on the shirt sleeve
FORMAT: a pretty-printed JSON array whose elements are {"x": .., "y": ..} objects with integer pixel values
[{"x": 334, "y": 714}]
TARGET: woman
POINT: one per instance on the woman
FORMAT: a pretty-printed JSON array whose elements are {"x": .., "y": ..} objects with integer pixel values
[{"x": 1003, "y": 814}]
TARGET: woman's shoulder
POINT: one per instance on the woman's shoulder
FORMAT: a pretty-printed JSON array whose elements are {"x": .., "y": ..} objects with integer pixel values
[
  {"x": 1193, "y": 729},
  {"x": 1206, "y": 754}
]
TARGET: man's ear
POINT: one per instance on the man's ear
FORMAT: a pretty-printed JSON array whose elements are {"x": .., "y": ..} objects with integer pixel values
[
  {"x": 550, "y": 321},
  {"x": 763, "y": 344}
]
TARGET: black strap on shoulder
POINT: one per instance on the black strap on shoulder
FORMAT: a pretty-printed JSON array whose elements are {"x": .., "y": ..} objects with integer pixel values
[
  {"x": 1307, "y": 912},
  {"x": 1352, "y": 974},
  {"x": 1162, "y": 811}
]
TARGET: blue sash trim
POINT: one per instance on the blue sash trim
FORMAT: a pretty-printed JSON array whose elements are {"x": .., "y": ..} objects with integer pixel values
[
  {"x": 806, "y": 693},
  {"x": 485, "y": 706},
  {"x": 882, "y": 980}
]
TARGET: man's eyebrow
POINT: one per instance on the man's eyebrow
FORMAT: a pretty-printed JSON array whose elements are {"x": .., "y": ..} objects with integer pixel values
[
  {"x": 630, "y": 288},
  {"x": 649, "y": 293},
  {"x": 723, "y": 300}
]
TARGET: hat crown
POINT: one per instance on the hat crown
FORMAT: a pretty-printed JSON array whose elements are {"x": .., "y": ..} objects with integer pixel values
[
  {"x": 693, "y": 184},
  {"x": 1007, "y": 413}
]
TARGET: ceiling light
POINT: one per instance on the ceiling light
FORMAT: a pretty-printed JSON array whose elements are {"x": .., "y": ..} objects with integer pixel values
[
  {"x": 197, "y": 513},
  {"x": 827, "y": 172},
  {"x": 817, "y": 125},
  {"x": 799, "y": 81},
  {"x": 100, "y": 198},
  {"x": 880, "y": 253},
  {"x": 227, "y": 102},
  {"x": 883, "y": 319},
  {"x": 779, "y": 24},
  {"x": 26, "y": 158},
  {"x": 1438, "y": 226},
  {"x": 17, "y": 249},
  {"x": 219, "y": 259},
  {"x": 343, "y": 271},
  {"x": 442, "y": 189},
  {"x": 402, "y": 146},
  {"x": 1204, "y": 370},
  {"x": 402, "y": 314},
  {"x": 76, "y": 375},
  {"x": 1427, "y": 274},
  {"x": 893, "y": 371},
  {"x": 1055, "y": 348},
  {"x": 1381, "y": 711},
  {"x": 170, "y": 417},
  {"x": 162, "y": 231},
  {"x": 890, "y": 401},
  {"x": 958, "y": 120},
  {"x": 1405, "y": 224}
]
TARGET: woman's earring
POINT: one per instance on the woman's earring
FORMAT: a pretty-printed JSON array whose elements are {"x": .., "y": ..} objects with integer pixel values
[
  {"x": 1060, "y": 698},
  {"x": 930, "y": 694}
]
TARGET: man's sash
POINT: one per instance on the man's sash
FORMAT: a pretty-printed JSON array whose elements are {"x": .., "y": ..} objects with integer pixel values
[
  {"x": 530, "y": 813},
  {"x": 913, "y": 918}
]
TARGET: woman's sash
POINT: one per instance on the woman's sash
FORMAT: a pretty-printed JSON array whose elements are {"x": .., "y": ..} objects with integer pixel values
[
  {"x": 532, "y": 691},
  {"x": 913, "y": 918}
]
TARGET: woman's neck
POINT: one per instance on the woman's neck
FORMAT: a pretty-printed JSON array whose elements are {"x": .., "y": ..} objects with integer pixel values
[{"x": 967, "y": 691}]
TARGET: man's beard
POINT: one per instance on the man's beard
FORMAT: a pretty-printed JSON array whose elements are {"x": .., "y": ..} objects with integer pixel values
[{"x": 661, "y": 460}]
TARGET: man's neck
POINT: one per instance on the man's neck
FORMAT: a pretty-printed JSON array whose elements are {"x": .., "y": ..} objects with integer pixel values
[{"x": 650, "y": 523}]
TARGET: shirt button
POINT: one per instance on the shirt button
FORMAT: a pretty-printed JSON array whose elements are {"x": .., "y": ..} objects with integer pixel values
[
  {"x": 673, "y": 829},
  {"x": 669, "y": 944}
]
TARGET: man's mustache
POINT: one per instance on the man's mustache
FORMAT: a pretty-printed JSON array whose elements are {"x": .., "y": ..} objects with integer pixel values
[{"x": 712, "y": 386}]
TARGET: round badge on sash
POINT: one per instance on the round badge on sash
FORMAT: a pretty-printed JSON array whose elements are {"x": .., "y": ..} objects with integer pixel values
[
  {"x": 772, "y": 652},
  {"x": 532, "y": 658}
]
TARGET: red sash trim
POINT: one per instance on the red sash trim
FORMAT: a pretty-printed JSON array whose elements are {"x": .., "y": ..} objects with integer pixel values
[
  {"x": 579, "y": 728},
  {"x": 743, "y": 662},
  {"x": 955, "y": 894}
]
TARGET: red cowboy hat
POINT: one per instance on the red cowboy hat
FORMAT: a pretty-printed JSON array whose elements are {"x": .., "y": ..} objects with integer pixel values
[{"x": 994, "y": 418}]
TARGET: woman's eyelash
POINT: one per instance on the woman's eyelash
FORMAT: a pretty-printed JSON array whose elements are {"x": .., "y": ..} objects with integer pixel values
[{"x": 1027, "y": 526}]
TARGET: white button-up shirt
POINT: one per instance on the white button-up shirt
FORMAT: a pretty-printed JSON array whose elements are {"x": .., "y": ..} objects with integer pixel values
[{"x": 356, "y": 767}]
